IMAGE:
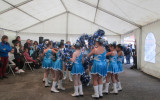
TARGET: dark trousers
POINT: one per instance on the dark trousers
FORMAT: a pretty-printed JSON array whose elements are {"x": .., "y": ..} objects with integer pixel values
[
  {"x": 3, "y": 67},
  {"x": 19, "y": 63},
  {"x": 128, "y": 59}
]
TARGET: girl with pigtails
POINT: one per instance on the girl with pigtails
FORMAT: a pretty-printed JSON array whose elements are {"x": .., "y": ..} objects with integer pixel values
[
  {"x": 47, "y": 61},
  {"x": 77, "y": 70},
  {"x": 58, "y": 69},
  {"x": 99, "y": 68}
]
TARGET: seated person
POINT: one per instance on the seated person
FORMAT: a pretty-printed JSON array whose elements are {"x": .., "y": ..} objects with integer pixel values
[
  {"x": 12, "y": 61},
  {"x": 28, "y": 58}
]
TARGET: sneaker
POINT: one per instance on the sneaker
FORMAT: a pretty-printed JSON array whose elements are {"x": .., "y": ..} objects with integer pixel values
[
  {"x": 17, "y": 72},
  {"x": 21, "y": 70}
]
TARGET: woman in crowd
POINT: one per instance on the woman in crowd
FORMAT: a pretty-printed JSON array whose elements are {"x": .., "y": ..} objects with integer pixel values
[
  {"x": 112, "y": 70},
  {"x": 18, "y": 39},
  {"x": 5, "y": 48},
  {"x": 58, "y": 68},
  {"x": 17, "y": 55},
  {"x": 77, "y": 70},
  {"x": 120, "y": 67},
  {"x": 99, "y": 68}
]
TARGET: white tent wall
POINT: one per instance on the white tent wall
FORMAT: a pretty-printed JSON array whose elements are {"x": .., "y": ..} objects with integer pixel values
[
  {"x": 151, "y": 68},
  {"x": 11, "y": 35},
  {"x": 136, "y": 33}
]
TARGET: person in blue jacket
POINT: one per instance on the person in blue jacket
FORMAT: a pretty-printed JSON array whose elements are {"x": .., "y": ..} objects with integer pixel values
[{"x": 5, "y": 48}]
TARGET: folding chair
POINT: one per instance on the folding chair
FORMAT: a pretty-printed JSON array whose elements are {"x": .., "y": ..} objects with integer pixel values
[
  {"x": 11, "y": 68},
  {"x": 28, "y": 63}
]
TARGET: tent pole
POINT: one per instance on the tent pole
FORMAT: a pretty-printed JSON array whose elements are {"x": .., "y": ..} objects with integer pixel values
[{"x": 139, "y": 50}]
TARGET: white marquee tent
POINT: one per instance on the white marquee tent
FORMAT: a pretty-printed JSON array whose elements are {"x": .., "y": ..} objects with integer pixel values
[{"x": 68, "y": 19}]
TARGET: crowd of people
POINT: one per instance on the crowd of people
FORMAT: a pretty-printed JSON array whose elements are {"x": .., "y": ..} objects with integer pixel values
[
  {"x": 16, "y": 55},
  {"x": 106, "y": 65}
]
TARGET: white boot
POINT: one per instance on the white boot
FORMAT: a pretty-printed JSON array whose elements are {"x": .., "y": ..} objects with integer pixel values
[
  {"x": 115, "y": 91},
  {"x": 60, "y": 87},
  {"x": 100, "y": 89},
  {"x": 80, "y": 90},
  {"x": 70, "y": 76},
  {"x": 105, "y": 91},
  {"x": 53, "y": 89},
  {"x": 119, "y": 86},
  {"x": 46, "y": 82},
  {"x": 75, "y": 94},
  {"x": 96, "y": 93},
  {"x": 65, "y": 75}
]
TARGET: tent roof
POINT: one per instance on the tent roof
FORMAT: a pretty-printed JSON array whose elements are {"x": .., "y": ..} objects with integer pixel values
[{"x": 114, "y": 16}]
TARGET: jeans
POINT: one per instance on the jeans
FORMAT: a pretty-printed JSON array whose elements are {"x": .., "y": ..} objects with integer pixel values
[{"x": 128, "y": 59}]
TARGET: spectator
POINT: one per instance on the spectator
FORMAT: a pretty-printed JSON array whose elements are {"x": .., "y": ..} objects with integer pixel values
[
  {"x": 28, "y": 58},
  {"x": 12, "y": 60},
  {"x": 17, "y": 55},
  {"x": 4, "y": 49},
  {"x": 35, "y": 45},
  {"x": 27, "y": 45},
  {"x": 128, "y": 55},
  {"x": 18, "y": 39}
]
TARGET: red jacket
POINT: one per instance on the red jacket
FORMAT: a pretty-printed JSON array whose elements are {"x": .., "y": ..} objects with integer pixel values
[{"x": 28, "y": 58}]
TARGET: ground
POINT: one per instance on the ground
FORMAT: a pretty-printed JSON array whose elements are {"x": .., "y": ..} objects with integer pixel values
[{"x": 29, "y": 86}]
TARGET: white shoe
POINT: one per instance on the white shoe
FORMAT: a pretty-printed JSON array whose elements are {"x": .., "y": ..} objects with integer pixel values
[
  {"x": 119, "y": 86},
  {"x": 17, "y": 72},
  {"x": 96, "y": 93},
  {"x": 80, "y": 90},
  {"x": 60, "y": 87},
  {"x": 115, "y": 91},
  {"x": 100, "y": 89},
  {"x": 105, "y": 91},
  {"x": 75, "y": 94},
  {"x": 53, "y": 89},
  {"x": 21, "y": 70},
  {"x": 46, "y": 82}
]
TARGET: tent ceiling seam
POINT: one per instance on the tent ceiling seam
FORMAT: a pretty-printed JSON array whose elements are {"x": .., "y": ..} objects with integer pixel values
[
  {"x": 21, "y": 10},
  {"x": 96, "y": 11},
  {"x": 41, "y": 21},
  {"x": 117, "y": 16},
  {"x": 95, "y": 23},
  {"x": 18, "y": 5}
]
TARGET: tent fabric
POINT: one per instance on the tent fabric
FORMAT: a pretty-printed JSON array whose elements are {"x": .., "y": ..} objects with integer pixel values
[{"x": 117, "y": 17}]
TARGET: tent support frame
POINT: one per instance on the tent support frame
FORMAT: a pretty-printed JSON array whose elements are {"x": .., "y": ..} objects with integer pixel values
[
  {"x": 110, "y": 13},
  {"x": 94, "y": 23},
  {"x": 42, "y": 21}
]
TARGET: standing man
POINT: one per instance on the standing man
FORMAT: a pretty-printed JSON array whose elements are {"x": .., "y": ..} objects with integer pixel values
[{"x": 128, "y": 54}]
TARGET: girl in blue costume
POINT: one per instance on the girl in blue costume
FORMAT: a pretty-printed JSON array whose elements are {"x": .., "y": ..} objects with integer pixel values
[
  {"x": 99, "y": 68},
  {"x": 112, "y": 70},
  {"x": 47, "y": 61},
  {"x": 77, "y": 70},
  {"x": 58, "y": 67},
  {"x": 120, "y": 67}
]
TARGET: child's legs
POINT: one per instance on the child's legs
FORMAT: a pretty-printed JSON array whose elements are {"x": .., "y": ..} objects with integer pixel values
[
  {"x": 117, "y": 77},
  {"x": 108, "y": 77},
  {"x": 79, "y": 80},
  {"x": 5, "y": 62},
  {"x": 57, "y": 76},
  {"x": 53, "y": 73},
  {"x": 75, "y": 79},
  {"x": 46, "y": 73},
  {"x": 100, "y": 80},
  {"x": 113, "y": 78},
  {"x": 61, "y": 75},
  {"x": 95, "y": 79}
]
